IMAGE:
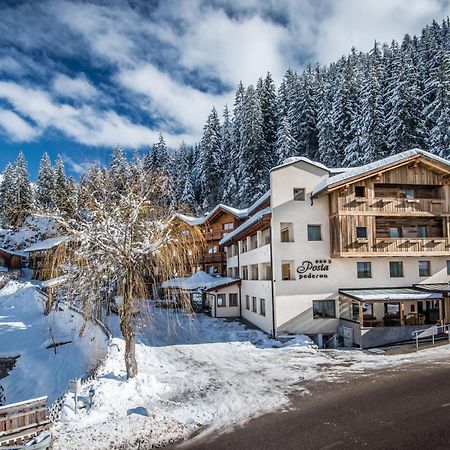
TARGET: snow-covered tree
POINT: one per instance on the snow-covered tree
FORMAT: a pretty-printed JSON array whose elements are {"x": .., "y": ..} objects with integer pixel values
[
  {"x": 24, "y": 194},
  {"x": 45, "y": 194},
  {"x": 127, "y": 241},
  {"x": 8, "y": 190}
]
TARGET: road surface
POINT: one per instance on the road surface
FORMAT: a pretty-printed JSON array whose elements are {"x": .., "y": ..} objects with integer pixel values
[{"x": 403, "y": 409}]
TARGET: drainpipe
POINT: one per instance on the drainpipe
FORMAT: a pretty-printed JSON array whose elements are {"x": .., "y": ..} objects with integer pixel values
[
  {"x": 272, "y": 283},
  {"x": 240, "y": 289}
]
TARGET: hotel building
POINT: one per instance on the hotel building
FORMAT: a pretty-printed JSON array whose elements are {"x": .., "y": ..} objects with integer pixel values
[{"x": 359, "y": 255}]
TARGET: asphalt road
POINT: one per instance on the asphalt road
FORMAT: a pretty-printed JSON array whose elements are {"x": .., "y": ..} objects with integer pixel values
[{"x": 406, "y": 409}]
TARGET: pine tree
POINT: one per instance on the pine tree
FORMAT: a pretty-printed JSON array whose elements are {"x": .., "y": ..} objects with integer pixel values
[
  {"x": 24, "y": 194},
  {"x": 63, "y": 190},
  {"x": 253, "y": 176},
  {"x": 285, "y": 145},
  {"x": 45, "y": 185},
  {"x": 229, "y": 156},
  {"x": 267, "y": 96},
  {"x": 8, "y": 189},
  {"x": 210, "y": 161}
]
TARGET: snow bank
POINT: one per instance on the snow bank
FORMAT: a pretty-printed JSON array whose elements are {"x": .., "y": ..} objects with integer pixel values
[{"x": 25, "y": 331}]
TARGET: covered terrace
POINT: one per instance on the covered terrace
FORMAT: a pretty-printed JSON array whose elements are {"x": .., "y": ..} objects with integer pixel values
[{"x": 380, "y": 316}]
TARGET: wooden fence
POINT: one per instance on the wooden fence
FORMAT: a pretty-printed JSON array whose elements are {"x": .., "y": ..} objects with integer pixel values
[{"x": 22, "y": 421}]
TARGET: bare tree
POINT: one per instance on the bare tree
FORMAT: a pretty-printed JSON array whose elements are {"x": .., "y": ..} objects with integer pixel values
[{"x": 125, "y": 240}]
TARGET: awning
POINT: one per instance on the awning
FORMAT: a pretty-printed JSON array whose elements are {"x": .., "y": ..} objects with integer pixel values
[
  {"x": 390, "y": 294},
  {"x": 200, "y": 281},
  {"x": 443, "y": 288}
]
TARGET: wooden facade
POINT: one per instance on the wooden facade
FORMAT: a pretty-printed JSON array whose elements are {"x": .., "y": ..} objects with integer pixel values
[
  {"x": 404, "y": 210},
  {"x": 10, "y": 260},
  {"x": 213, "y": 258}
]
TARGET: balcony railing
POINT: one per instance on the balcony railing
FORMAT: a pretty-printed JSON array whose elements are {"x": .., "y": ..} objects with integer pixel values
[
  {"x": 407, "y": 245},
  {"x": 213, "y": 235},
  {"x": 400, "y": 205},
  {"x": 211, "y": 258}
]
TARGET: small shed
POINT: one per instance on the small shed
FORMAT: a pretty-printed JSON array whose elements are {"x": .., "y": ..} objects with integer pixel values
[
  {"x": 220, "y": 295},
  {"x": 10, "y": 260},
  {"x": 40, "y": 254}
]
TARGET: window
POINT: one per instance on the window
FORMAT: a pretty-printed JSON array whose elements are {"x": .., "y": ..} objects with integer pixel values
[
  {"x": 244, "y": 272},
  {"x": 213, "y": 249},
  {"x": 286, "y": 232},
  {"x": 396, "y": 269},
  {"x": 254, "y": 305},
  {"x": 424, "y": 268},
  {"x": 262, "y": 306},
  {"x": 422, "y": 231},
  {"x": 286, "y": 270},
  {"x": 448, "y": 267},
  {"x": 361, "y": 232},
  {"x": 233, "y": 299},
  {"x": 254, "y": 272},
  {"x": 299, "y": 194},
  {"x": 410, "y": 194},
  {"x": 394, "y": 232},
  {"x": 244, "y": 246},
  {"x": 324, "y": 309},
  {"x": 2, "y": 262},
  {"x": 360, "y": 191},
  {"x": 364, "y": 269},
  {"x": 211, "y": 270},
  {"x": 228, "y": 226},
  {"x": 221, "y": 300},
  {"x": 247, "y": 302},
  {"x": 314, "y": 233}
]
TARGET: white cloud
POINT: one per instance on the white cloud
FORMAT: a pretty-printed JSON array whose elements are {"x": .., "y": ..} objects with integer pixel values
[
  {"x": 170, "y": 99},
  {"x": 234, "y": 50},
  {"x": 85, "y": 124},
  {"x": 76, "y": 88},
  {"x": 355, "y": 23},
  {"x": 16, "y": 128}
]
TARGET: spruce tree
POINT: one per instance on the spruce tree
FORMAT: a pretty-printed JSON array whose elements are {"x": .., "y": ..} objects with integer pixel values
[
  {"x": 24, "y": 194},
  {"x": 45, "y": 185},
  {"x": 8, "y": 189}
]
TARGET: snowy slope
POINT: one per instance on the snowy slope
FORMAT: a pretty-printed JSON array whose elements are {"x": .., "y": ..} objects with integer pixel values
[
  {"x": 25, "y": 331},
  {"x": 196, "y": 373}
]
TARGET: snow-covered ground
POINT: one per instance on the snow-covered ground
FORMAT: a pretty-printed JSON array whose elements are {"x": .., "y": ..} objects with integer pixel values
[
  {"x": 201, "y": 373},
  {"x": 25, "y": 331}
]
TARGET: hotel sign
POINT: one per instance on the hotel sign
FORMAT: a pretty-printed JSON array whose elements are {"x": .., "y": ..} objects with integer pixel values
[{"x": 314, "y": 269}]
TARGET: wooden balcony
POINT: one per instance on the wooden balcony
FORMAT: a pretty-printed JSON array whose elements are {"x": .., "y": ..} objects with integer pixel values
[
  {"x": 208, "y": 258},
  {"x": 213, "y": 235},
  {"x": 398, "y": 206},
  {"x": 412, "y": 245}
]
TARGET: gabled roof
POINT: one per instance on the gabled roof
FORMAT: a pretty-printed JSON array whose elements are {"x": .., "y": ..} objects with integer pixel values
[
  {"x": 354, "y": 173},
  {"x": 239, "y": 213},
  {"x": 246, "y": 225},
  {"x": 46, "y": 244},
  {"x": 11, "y": 252},
  {"x": 295, "y": 159}
]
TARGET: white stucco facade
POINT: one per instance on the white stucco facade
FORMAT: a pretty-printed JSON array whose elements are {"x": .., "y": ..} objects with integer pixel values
[{"x": 289, "y": 302}]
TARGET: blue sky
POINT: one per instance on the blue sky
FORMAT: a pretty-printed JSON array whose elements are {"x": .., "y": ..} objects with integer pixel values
[{"x": 81, "y": 77}]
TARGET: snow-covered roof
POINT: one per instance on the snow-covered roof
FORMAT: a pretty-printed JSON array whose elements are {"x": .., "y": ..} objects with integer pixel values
[
  {"x": 199, "y": 281},
  {"x": 54, "y": 281},
  {"x": 11, "y": 252},
  {"x": 239, "y": 213},
  {"x": 389, "y": 294},
  {"x": 46, "y": 244},
  {"x": 258, "y": 202},
  {"x": 373, "y": 167},
  {"x": 247, "y": 224},
  {"x": 436, "y": 287},
  {"x": 295, "y": 159}
]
